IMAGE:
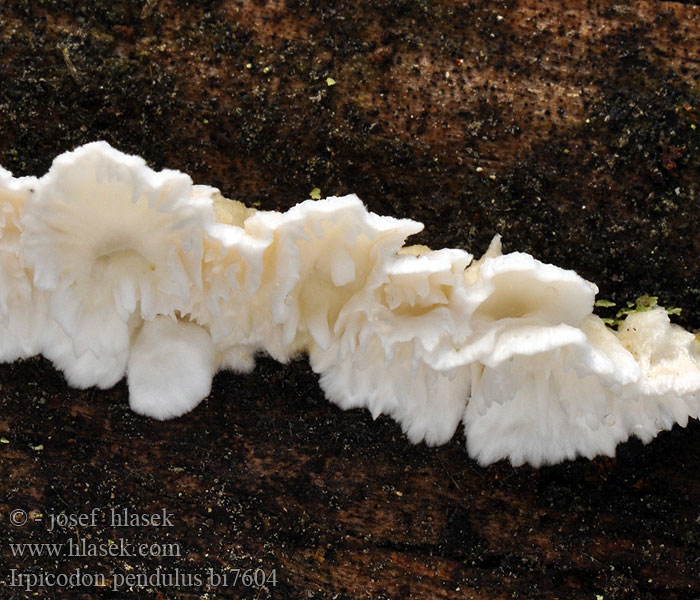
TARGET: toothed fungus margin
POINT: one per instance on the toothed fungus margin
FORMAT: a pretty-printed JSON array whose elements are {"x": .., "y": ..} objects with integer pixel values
[{"x": 110, "y": 268}]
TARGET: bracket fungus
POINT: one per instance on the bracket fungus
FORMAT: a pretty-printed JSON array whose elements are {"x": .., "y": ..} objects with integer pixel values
[
  {"x": 21, "y": 306},
  {"x": 109, "y": 268}
]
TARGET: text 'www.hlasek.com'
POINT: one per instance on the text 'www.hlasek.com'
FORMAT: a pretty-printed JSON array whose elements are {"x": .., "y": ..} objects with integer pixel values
[{"x": 121, "y": 562}]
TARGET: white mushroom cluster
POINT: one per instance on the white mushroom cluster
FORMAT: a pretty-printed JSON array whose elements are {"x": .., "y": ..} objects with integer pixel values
[{"x": 110, "y": 269}]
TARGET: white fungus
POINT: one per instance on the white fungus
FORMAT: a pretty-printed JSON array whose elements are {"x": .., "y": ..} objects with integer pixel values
[
  {"x": 22, "y": 308},
  {"x": 232, "y": 273},
  {"x": 320, "y": 253},
  {"x": 84, "y": 370},
  {"x": 109, "y": 238},
  {"x": 544, "y": 404},
  {"x": 171, "y": 365},
  {"x": 409, "y": 306},
  {"x": 110, "y": 268},
  {"x": 668, "y": 390}
]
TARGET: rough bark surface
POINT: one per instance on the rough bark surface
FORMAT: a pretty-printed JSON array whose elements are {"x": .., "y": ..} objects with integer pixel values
[{"x": 570, "y": 127}]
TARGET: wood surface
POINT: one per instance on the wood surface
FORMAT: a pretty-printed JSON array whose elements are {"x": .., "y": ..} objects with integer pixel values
[{"x": 569, "y": 127}]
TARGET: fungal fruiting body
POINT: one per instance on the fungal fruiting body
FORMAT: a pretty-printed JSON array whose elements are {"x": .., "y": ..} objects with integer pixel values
[
  {"x": 21, "y": 306},
  {"x": 114, "y": 244},
  {"x": 109, "y": 268}
]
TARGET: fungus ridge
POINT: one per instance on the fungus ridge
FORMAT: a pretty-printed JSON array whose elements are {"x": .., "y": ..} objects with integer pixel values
[{"x": 111, "y": 269}]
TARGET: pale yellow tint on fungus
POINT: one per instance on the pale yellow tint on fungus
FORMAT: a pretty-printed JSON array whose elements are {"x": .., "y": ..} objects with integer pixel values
[{"x": 231, "y": 212}]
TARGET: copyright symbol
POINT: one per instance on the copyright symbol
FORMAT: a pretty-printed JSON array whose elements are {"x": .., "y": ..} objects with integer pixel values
[{"x": 18, "y": 517}]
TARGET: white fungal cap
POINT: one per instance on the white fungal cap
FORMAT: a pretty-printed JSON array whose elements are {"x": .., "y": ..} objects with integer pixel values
[
  {"x": 550, "y": 402},
  {"x": 233, "y": 259},
  {"x": 521, "y": 286},
  {"x": 22, "y": 308},
  {"x": 109, "y": 237},
  {"x": 668, "y": 391},
  {"x": 667, "y": 354},
  {"x": 426, "y": 298},
  {"x": 509, "y": 294},
  {"x": 321, "y": 253},
  {"x": 409, "y": 307},
  {"x": 407, "y": 298},
  {"x": 232, "y": 272},
  {"x": 171, "y": 366}
]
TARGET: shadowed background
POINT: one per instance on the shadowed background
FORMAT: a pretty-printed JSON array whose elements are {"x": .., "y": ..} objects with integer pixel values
[{"x": 571, "y": 128}]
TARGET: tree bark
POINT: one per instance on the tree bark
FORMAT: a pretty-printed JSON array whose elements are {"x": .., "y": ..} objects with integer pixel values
[{"x": 569, "y": 127}]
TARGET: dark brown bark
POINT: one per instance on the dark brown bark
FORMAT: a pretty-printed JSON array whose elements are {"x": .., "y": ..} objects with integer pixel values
[{"x": 569, "y": 127}]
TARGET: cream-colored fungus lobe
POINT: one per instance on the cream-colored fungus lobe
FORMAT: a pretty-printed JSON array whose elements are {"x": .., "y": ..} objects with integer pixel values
[
  {"x": 22, "y": 308},
  {"x": 112, "y": 243},
  {"x": 109, "y": 268}
]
